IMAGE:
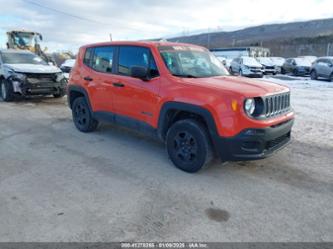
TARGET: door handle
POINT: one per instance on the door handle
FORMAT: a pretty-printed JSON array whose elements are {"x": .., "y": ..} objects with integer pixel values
[
  {"x": 88, "y": 78},
  {"x": 118, "y": 84}
]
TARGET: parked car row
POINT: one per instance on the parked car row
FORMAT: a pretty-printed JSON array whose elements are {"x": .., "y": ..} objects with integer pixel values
[
  {"x": 299, "y": 66},
  {"x": 312, "y": 66}
]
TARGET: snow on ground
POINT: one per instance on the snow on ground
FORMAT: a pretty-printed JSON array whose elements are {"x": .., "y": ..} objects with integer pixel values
[
  {"x": 312, "y": 101},
  {"x": 312, "y": 135}
]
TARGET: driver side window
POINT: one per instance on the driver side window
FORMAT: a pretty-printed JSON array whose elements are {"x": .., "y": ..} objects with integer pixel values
[{"x": 130, "y": 56}]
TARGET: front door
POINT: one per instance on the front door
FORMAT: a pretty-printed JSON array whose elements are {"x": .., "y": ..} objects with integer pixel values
[{"x": 135, "y": 98}]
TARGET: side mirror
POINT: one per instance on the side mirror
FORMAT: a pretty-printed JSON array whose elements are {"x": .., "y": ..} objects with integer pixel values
[{"x": 139, "y": 72}]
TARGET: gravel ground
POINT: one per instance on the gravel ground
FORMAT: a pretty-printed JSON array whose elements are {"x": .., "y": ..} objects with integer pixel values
[{"x": 57, "y": 184}]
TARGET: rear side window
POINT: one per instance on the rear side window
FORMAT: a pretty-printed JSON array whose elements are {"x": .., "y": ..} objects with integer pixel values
[
  {"x": 130, "y": 56},
  {"x": 102, "y": 59},
  {"x": 87, "y": 57}
]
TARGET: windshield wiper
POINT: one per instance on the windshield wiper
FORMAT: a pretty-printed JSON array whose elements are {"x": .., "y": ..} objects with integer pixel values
[{"x": 185, "y": 75}]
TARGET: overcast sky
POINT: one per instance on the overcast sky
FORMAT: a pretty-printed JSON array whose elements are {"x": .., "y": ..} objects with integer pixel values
[{"x": 67, "y": 24}]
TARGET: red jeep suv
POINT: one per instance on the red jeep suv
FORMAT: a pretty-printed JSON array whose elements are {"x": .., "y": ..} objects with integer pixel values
[{"x": 182, "y": 94}]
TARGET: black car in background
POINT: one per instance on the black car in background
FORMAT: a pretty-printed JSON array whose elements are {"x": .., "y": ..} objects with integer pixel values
[{"x": 296, "y": 66}]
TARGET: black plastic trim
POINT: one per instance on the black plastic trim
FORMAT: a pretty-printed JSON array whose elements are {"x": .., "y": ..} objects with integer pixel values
[
  {"x": 79, "y": 89},
  {"x": 179, "y": 106},
  {"x": 232, "y": 148},
  {"x": 124, "y": 121}
]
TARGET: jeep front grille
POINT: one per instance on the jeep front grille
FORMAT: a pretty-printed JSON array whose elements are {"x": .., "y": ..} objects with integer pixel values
[{"x": 276, "y": 104}]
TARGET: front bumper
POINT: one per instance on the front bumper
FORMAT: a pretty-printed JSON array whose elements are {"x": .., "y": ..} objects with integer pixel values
[
  {"x": 38, "y": 87},
  {"x": 302, "y": 71},
  {"x": 43, "y": 88},
  {"x": 253, "y": 144},
  {"x": 270, "y": 71},
  {"x": 254, "y": 74}
]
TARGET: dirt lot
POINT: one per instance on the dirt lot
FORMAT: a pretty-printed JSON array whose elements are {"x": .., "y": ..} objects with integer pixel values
[{"x": 57, "y": 184}]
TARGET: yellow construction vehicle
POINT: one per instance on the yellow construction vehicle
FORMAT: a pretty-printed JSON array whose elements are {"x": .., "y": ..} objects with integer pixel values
[{"x": 27, "y": 40}]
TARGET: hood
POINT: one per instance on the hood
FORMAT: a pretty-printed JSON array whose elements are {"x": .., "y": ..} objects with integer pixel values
[
  {"x": 32, "y": 68},
  {"x": 267, "y": 64},
  {"x": 68, "y": 63},
  {"x": 239, "y": 85},
  {"x": 252, "y": 64},
  {"x": 278, "y": 62}
]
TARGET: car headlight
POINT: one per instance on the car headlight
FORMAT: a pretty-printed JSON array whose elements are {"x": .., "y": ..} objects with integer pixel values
[
  {"x": 60, "y": 76},
  {"x": 249, "y": 106},
  {"x": 17, "y": 76}
]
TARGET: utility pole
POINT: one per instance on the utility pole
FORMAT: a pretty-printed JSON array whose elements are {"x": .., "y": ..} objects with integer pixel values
[
  {"x": 328, "y": 49},
  {"x": 110, "y": 37}
]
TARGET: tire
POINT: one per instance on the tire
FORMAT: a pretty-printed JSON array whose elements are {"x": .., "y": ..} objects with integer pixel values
[
  {"x": 331, "y": 77},
  {"x": 188, "y": 145},
  {"x": 82, "y": 116},
  {"x": 61, "y": 94},
  {"x": 283, "y": 71},
  {"x": 7, "y": 92},
  {"x": 313, "y": 75}
]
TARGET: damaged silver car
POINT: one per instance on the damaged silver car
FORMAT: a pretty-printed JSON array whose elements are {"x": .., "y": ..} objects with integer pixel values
[{"x": 23, "y": 73}]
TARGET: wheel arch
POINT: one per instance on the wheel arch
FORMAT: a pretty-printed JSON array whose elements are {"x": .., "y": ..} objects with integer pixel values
[
  {"x": 174, "y": 111},
  {"x": 74, "y": 92}
]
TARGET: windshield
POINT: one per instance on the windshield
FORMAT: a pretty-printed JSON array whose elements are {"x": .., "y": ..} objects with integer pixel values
[
  {"x": 191, "y": 62},
  {"x": 23, "y": 39},
  {"x": 22, "y": 58},
  {"x": 68, "y": 63}
]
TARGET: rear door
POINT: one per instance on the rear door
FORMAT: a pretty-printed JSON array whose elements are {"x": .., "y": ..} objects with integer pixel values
[
  {"x": 320, "y": 67},
  {"x": 135, "y": 98},
  {"x": 325, "y": 68},
  {"x": 100, "y": 77},
  {"x": 235, "y": 65}
]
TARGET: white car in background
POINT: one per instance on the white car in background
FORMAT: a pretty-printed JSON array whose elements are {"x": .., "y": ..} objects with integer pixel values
[
  {"x": 67, "y": 66},
  {"x": 267, "y": 63},
  {"x": 309, "y": 58},
  {"x": 246, "y": 66},
  {"x": 225, "y": 61},
  {"x": 278, "y": 62}
]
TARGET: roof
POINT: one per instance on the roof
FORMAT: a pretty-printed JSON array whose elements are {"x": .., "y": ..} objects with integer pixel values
[
  {"x": 326, "y": 57},
  {"x": 238, "y": 49},
  {"x": 140, "y": 43},
  {"x": 23, "y": 31}
]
